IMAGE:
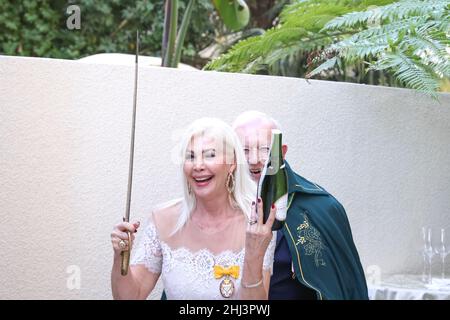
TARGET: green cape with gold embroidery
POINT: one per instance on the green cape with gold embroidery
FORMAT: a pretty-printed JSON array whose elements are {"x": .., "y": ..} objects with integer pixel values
[{"x": 320, "y": 240}]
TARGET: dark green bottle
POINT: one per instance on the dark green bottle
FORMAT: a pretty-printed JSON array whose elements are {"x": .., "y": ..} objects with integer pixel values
[{"x": 273, "y": 184}]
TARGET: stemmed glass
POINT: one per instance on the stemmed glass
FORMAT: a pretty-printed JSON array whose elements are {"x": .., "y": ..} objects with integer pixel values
[
  {"x": 427, "y": 253},
  {"x": 442, "y": 251}
]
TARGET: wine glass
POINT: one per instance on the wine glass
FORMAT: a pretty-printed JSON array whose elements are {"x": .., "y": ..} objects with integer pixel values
[
  {"x": 442, "y": 251},
  {"x": 427, "y": 253}
]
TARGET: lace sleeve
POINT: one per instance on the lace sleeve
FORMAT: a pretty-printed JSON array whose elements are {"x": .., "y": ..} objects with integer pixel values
[
  {"x": 148, "y": 252},
  {"x": 268, "y": 257}
]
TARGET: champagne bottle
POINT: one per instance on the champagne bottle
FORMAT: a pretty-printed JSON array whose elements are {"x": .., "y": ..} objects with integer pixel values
[{"x": 273, "y": 184}]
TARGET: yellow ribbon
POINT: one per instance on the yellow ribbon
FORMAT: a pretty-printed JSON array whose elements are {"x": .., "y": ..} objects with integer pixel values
[{"x": 220, "y": 271}]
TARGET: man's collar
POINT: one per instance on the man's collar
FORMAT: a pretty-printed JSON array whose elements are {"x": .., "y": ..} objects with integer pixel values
[{"x": 300, "y": 184}]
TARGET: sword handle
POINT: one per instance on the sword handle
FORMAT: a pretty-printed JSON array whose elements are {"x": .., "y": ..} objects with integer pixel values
[{"x": 125, "y": 255}]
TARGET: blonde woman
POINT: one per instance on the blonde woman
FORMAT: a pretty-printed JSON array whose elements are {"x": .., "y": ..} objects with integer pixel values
[{"x": 210, "y": 244}]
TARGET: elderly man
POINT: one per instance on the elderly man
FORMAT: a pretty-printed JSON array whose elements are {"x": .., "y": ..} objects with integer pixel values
[{"x": 315, "y": 256}]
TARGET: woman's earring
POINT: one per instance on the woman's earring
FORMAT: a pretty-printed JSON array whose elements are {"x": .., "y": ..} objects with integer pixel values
[
  {"x": 189, "y": 189},
  {"x": 230, "y": 183}
]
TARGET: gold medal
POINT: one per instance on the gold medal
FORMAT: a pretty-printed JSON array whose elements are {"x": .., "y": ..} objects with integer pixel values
[{"x": 226, "y": 287}]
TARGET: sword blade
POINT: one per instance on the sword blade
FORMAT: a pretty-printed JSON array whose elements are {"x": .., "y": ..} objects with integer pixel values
[
  {"x": 133, "y": 130},
  {"x": 125, "y": 255}
]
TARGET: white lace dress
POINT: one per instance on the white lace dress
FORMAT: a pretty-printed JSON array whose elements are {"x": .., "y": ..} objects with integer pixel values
[{"x": 187, "y": 270}]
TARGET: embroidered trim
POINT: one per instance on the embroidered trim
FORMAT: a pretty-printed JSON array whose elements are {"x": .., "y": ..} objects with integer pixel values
[
  {"x": 290, "y": 200},
  {"x": 300, "y": 264},
  {"x": 298, "y": 255},
  {"x": 310, "y": 239}
]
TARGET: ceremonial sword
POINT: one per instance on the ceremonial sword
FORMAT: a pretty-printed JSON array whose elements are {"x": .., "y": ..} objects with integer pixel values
[{"x": 126, "y": 253}]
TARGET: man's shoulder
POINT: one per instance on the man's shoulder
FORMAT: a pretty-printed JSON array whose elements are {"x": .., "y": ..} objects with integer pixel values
[
  {"x": 311, "y": 196},
  {"x": 297, "y": 183},
  {"x": 320, "y": 210},
  {"x": 307, "y": 186}
]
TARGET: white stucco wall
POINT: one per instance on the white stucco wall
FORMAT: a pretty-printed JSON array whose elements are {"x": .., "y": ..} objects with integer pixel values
[{"x": 64, "y": 147}]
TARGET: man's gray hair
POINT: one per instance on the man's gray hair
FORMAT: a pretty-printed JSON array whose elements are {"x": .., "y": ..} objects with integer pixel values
[{"x": 253, "y": 115}]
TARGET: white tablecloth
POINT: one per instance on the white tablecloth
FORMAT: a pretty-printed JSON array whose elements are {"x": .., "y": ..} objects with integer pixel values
[{"x": 409, "y": 287}]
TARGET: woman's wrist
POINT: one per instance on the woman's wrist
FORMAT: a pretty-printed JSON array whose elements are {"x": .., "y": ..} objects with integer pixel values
[
  {"x": 252, "y": 273},
  {"x": 252, "y": 285}
]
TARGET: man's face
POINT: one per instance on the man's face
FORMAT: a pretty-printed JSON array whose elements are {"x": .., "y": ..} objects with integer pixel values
[{"x": 255, "y": 138}]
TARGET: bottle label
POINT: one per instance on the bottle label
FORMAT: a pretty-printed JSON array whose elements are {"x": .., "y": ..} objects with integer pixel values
[{"x": 281, "y": 205}]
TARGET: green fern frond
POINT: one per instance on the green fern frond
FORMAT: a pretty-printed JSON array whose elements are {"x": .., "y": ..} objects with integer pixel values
[
  {"x": 424, "y": 43},
  {"x": 407, "y": 38},
  {"x": 362, "y": 50},
  {"x": 255, "y": 66},
  {"x": 237, "y": 58},
  {"x": 299, "y": 28},
  {"x": 395, "y": 11},
  {"x": 309, "y": 10},
  {"x": 367, "y": 44},
  {"x": 329, "y": 64},
  {"x": 412, "y": 43},
  {"x": 248, "y": 50},
  {"x": 412, "y": 73}
]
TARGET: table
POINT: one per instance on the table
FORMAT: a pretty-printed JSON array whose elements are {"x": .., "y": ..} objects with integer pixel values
[{"x": 409, "y": 287}]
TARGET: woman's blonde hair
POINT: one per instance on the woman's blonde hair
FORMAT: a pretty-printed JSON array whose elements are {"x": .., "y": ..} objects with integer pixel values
[{"x": 244, "y": 191}]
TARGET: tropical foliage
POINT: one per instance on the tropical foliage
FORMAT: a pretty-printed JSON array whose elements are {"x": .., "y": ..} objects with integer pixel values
[
  {"x": 38, "y": 28},
  {"x": 235, "y": 14},
  {"x": 296, "y": 36},
  {"x": 400, "y": 43},
  {"x": 408, "y": 38}
]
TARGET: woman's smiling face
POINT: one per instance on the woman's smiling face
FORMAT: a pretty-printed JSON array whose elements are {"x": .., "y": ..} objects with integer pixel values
[{"x": 207, "y": 165}]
